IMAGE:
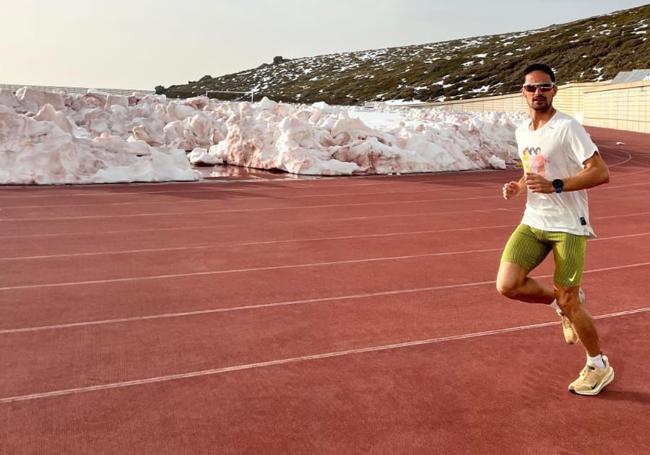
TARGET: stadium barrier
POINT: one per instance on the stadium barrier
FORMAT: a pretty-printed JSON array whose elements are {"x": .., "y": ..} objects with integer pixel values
[
  {"x": 77, "y": 90},
  {"x": 624, "y": 106}
]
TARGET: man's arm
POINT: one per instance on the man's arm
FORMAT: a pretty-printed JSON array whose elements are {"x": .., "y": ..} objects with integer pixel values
[
  {"x": 594, "y": 173},
  {"x": 512, "y": 189}
]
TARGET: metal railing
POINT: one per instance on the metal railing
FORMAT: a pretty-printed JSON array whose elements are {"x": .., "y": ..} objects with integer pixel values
[{"x": 235, "y": 92}]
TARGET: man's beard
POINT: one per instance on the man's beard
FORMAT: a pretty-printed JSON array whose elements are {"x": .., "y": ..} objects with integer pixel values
[{"x": 543, "y": 106}]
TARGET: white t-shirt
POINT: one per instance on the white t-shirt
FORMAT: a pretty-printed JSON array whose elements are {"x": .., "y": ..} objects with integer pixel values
[{"x": 557, "y": 150}]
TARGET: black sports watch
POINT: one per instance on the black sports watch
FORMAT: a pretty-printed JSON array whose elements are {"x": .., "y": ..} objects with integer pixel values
[{"x": 558, "y": 185}]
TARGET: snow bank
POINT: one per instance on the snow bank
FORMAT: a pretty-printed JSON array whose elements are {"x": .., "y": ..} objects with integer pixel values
[
  {"x": 92, "y": 138},
  {"x": 39, "y": 150}
]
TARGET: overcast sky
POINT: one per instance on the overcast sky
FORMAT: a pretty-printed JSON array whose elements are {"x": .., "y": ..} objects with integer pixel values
[{"x": 142, "y": 43}]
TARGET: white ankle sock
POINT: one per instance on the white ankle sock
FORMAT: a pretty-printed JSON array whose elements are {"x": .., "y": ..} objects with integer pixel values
[
  {"x": 554, "y": 305},
  {"x": 596, "y": 361}
]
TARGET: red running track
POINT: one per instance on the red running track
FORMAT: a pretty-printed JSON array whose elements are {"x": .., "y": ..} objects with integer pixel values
[{"x": 329, "y": 316}]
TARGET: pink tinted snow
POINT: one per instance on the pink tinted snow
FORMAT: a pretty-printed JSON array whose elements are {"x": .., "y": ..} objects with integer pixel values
[{"x": 66, "y": 138}]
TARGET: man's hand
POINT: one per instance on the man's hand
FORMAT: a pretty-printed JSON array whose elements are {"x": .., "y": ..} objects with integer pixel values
[
  {"x": 511, "y": 189},
  {"x": 538, "y": 184}
]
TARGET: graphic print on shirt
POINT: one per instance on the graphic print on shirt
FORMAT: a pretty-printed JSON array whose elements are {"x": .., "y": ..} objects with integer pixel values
[{"x": 533, "y": 160}]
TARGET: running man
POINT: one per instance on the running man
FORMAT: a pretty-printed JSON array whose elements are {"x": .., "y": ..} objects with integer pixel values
[{"x": 560, "y": 162}]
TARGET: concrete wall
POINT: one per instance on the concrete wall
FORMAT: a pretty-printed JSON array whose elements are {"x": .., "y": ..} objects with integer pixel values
[
  {"x": 619, "y": 106},
  {"x": 503, "y": 103},
  {"x": 570, "y": 98}
]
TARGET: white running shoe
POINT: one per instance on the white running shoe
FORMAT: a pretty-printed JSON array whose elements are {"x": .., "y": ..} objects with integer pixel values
[{"x": 592, "y": 380}]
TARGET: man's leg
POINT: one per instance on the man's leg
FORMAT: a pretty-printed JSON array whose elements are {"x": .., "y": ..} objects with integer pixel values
[
  {"x": 597, "y": 373},
  {"x": 513, "y": 282},
  {"x": 522, "y": 253},
  {"x": 583, "y": 324},
  {"x": 569, "y": 251}
]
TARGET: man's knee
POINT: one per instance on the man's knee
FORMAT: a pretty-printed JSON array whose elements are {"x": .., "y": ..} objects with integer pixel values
[
  {"x": 508, "y": 287},
  {"x": 510, "y": 279}
]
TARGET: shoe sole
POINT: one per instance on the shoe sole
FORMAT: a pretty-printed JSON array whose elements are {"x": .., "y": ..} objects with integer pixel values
[
  {"x": 570, "y": 341},
  {"x": 597, "y": 390},
  {"x": 570, "y": 338}
]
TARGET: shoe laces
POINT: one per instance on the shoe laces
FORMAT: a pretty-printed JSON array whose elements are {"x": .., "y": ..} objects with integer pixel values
[
  {"x": 586, "y": 370},
  {"x": 591, "y": 374}
]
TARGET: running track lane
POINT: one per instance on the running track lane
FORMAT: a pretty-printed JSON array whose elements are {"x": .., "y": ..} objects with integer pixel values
[{"x": 448, "y": 387}]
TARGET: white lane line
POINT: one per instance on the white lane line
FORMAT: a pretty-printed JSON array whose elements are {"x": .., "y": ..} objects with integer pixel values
[
  {"x": 622, "y": 236},
  {"x": 235, "y": 199},
  {"x": 274, "y": 242},
  {"x": 247, "y": 307},
  {"x": 620, "y": 163},
  {"x": 266, "y": 209},
  {"x": 622, "y": 216},
  {"x": 219, "y": 185},
  {"x": 265, "y": 242},
  {"x": 263, "y": 197},
  {"x": 205, "y": 227},
  {"x": 289, "y": 303},
  {"x": 442, "y": 186},
  {"x": 627, "y": 184},
  {"x": 259, "y": 209},
  {"x": 204, "y": 187},
  {"x": 300, "y": 359},
  {"x": 214, "y": 186},
  {"x": 275, "y": 267},
  {"x": 627, "y": 174},
  {"x": 248, "y": 269}
]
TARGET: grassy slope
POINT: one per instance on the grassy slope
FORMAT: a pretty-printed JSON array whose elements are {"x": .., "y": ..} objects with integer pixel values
[{"x": 612, "y": 43}]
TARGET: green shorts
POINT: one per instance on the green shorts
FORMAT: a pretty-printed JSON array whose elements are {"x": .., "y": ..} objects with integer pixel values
[{"x": 528, "y": 246}]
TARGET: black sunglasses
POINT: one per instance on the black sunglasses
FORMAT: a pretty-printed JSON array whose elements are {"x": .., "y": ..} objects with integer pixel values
[{"x": 544, "y": 87}]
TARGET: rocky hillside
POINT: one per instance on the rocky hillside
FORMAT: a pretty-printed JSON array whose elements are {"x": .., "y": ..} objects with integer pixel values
[{"x": 587, "y": 50}]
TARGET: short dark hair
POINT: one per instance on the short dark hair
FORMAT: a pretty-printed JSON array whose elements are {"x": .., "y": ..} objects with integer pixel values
[{"x": 540, "y": 67}]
